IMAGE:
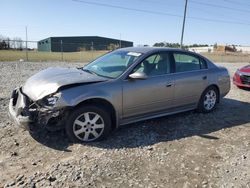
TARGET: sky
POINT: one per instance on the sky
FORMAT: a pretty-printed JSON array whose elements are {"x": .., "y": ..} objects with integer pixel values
[{"x": 141, "y": 21}]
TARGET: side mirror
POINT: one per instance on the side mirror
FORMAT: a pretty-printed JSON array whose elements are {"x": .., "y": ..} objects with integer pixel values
[{"x": 138, "y": 76}]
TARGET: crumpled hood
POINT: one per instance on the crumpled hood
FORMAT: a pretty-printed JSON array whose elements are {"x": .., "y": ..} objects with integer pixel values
[{"x": 48, "y": 81}]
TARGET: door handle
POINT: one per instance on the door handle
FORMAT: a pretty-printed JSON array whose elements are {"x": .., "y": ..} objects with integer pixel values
[
  {"x": 169, "y": 84},
  {"x": 204, "y": 77}
]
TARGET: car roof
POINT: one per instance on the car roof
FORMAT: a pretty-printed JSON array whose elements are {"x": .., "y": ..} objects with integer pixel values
[
  {"x": 145, "y": 50},
  {"x": 150, "y": 49}
]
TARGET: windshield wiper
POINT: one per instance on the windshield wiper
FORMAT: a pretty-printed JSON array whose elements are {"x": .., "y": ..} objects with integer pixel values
[
  {"x": 89, "y": 71},
  {"x": 92, "y": 72}
]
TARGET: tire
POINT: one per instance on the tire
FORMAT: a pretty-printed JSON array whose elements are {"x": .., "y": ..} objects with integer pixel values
[
  {"x": 88, "y": 124},
  {"x": 208, "y": 100}
]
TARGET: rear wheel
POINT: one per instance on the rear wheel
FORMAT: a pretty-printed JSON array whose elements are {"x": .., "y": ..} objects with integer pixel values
[
  {"x": 88, "y": 124},
  {"x": 208, "y": 100}
]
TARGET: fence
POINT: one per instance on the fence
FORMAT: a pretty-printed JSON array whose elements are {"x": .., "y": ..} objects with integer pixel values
[
  {"x": 240, "y": 54},
  {"x": 15, "y": 50},
  {"x": 33, "y": 55}
]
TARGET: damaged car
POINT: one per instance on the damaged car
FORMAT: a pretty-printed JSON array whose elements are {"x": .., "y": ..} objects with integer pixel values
[
  {"x": 242, "y": 77},
  {"x": 124, "y": 86}
]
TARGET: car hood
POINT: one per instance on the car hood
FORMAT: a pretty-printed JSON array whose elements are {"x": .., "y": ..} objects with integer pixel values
[
  {"x": 48, "y": 81},
  {"x": 245, "y": 69}
]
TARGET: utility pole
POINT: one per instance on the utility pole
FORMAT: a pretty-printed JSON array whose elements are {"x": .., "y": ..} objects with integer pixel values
[
  {"x": 183, "y": 25},
  {"x": 92, "y": 50},
  {"x": 61, "y": 50},
  {"x": 120, "y": 40},
  {"x": 92, "y": 46},
  {"x": 26, "y": 49}
]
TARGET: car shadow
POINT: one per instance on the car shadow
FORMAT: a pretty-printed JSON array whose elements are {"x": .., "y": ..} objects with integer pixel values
[
  {"x": 244, "y": 88},
  {"x": 229, "y": 113},
  {"x": 56, "y": 140}
]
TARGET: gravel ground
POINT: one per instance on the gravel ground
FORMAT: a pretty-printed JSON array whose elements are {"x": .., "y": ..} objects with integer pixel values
[{"x": 183, "y": 150}]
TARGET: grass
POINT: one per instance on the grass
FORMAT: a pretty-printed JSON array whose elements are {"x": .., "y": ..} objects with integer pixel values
[
  {"x": 84, "y": 56},
  {"x": 228, "y": 57}
]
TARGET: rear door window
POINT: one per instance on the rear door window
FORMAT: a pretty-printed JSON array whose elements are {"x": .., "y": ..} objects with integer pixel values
[{"x": 186, "y": 62}]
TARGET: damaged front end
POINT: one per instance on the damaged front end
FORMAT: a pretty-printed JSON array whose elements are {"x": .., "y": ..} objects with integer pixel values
[{"x": 27, "y": 113}]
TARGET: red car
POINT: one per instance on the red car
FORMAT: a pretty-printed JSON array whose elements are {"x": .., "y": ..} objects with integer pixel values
[{"x": 242, "y": 77}]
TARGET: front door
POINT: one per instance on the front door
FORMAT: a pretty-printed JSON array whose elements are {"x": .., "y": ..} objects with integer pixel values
[{"x": 152, "y": 94}]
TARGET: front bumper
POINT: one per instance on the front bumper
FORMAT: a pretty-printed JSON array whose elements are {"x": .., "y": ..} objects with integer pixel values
[
  {"x": 18, "y": 109},
  {"x": 241, "y": 81},
  {"x": 26, "y": 113}
]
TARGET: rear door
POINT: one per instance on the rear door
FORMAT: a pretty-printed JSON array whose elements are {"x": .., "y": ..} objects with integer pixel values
[
  {"x": 153, "y": 94},
  {"x": 190, "y": 78}
]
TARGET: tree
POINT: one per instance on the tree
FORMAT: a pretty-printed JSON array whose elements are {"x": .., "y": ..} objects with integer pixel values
[
  {"x": 215, "y": 46},
  {"x": 17, "y": 43},
  {"x": 161, "y": 44},
  {"x": 4, "y": 43},
  {"x": 113, "y": 46},
  {"x": 177, "y": 45}
]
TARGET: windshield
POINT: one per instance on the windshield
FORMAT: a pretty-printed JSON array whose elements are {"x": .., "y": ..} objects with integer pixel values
[{"x": 112, "y": 64}]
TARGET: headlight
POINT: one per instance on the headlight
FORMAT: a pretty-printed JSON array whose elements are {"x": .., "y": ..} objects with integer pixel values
[
  {"x": 238, "y": 72},
  {"x": 51, "y": 101}
]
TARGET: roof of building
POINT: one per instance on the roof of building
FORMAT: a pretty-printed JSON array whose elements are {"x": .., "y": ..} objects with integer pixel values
[{"x": 59, "y": 37}]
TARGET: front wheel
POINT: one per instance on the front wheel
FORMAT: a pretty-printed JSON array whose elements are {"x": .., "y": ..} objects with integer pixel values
[
  {"x": 208, "y": 100},
  {"x": 88, "y": 123}
]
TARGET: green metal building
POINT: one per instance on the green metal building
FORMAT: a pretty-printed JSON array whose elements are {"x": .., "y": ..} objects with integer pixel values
[{"x": 74, "y": 44}]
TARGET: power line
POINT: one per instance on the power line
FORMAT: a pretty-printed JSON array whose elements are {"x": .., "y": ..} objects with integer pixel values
[
  {"x": 200, "y": 9},
  {"x": 219, "y": 14},
  {"x": 220, "y": 6},
  {"x": 236, "y": 3},
  {"x": 127, "y": 8},
  {"x": 206, "y": 4},
  {"x": 218, "y": 21},
  {"x": 161, "y": 13},
  {"x": 160, "y": 2}
]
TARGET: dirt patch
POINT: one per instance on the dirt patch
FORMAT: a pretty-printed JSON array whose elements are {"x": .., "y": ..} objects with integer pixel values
[{"x": 183, "y": 150}]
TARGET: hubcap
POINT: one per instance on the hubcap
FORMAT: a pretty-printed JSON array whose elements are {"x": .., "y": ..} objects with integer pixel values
[
  {"x": 88, "y": 126},
  {"x": 210, "y": 100}
]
